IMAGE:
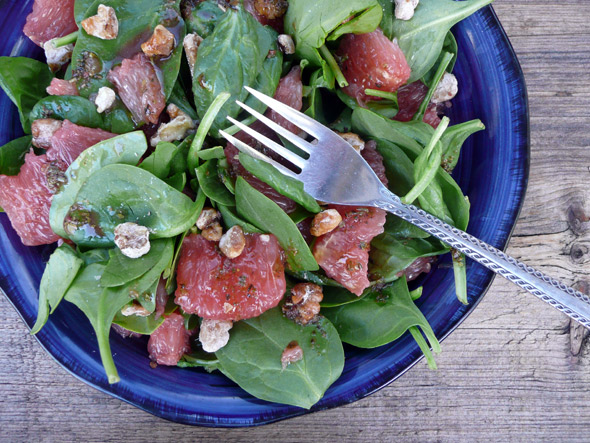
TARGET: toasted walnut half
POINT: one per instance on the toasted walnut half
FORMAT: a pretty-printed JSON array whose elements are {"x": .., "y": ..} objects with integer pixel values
[
  {"x": 304, "y": 303},
  {"x": 103, "y": 25}
]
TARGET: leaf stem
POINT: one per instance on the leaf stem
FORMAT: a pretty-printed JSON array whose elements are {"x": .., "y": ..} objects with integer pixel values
[
  {"x": 391, "y": 96},
  {"x": 460, "y": 276},
  {"x": 66, "y": 39},
  {"x": 232, "y": 130},
  {"x": 423, "y": 346},
  {"x": 203, "y": 130},
  {"x": 329, "y": 58},
  {"x": 432, "y": 86},
  {"x": 432, "y": 161}
]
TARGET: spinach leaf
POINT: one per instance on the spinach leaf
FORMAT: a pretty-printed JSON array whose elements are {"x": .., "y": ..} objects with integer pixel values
[
  {"x": 265, "y": 214},
  {"x": 78, "y": 110},
  {"x": 24, "y": 81},
  {"x": 119, "y": 193},
  {"x": 137, "y": 20},
  {"x": 177, "y": 181},
  {"x": 137, "y": 323},
  {"x": 118, "y": 120},
  {"x": 380, "y": 318},
  {"x": 334, "y": 296},
  {"x": 203, "y": 17},
  {"x": 287, "y": 186},
  {"x": 60, "y": 272},
  {"x": 230, "y": 218},
  {"x": 216, "y": 152},
  {"x": 229, "y": 59},
  {"x": 121, "y": 269},
  {"x": 252, "y": 359},
  {"x": 422, "y": 38},
  {"x": 211, "y": 184},
  {"x": 160, "y": 161},
  {"x": 199, "y": 359},
  {"x": 453, "y": 140},
  {"x": 100, "y": 306},
  {"x": 450, "y": 46},
  {"x": 311, "y": 23},
  {"x": 179, "y": 98},
  {"x": 127, "y": 148},
  {"x": 12, "y": 155}
]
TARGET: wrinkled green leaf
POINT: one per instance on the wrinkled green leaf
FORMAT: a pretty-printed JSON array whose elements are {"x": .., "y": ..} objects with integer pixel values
[
  {"x": 301, "y": 383},
  {"x": 160, "y": 161},
  {"x": 78, "y": 110},
  {"x": 212, "y": 185}
]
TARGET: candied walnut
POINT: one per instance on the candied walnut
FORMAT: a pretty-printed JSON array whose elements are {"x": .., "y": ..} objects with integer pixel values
[
  {"x": 271, "y": 9},
  {"x": 135, "y": 308},
  {"x": 404, "y": 9},
  {"x": 286, "y": 44},
  {"x": 176, "y": 129},
  {"x": 214, "y": 334},
  {"x": 161, "y": 43},
  {"x": 324, "y": 222},
  {"x": 132, "y": 239},
  {"x": 191, "y": 45},
  {"x": 304, "y": 303},
  {"x": 291, "y": 354},
  {"x": 213, "y": 232},
  {"x": 105, "y": 99},
  {"x": 446, "y": 90},
  {"x": 353, "y": 140},
  {"x": 207, "y": 217},
  {"x": 233, "y": 242},
  {"x": 43, "y": 130},
  {"x": 103, "y": 25},
  {"x": 57, "y": 57}
]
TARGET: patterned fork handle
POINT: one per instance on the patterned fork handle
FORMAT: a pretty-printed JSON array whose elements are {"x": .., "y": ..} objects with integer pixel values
[{"x": 569, "y": 301}]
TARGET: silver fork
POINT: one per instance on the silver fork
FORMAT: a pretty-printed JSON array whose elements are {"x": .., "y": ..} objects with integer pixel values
[{"x": 335, "y": 173}]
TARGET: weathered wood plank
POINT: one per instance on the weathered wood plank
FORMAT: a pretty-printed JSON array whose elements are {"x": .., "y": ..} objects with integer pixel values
[{"x": 515, "y": 370}]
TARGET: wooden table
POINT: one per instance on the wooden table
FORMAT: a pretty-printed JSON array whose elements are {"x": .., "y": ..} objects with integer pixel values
[{"x": 515, "y": 370}]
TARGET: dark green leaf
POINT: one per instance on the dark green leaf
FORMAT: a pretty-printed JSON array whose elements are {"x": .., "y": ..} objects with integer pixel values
[
  {"x": 160, "y": 161},
  {"x": 120, "y": 193},
  {"x": 268, "y": 216},
  {"x": 177, "y": 181},
  {"x": 211, "y": 184},
  {"x": 78, "y": 110},
  {"x": 453, "y": 140},
  {"x": 12, "y": 155},
  {"x": 179, "y": 98},
  {"x": 203, "y": 17},
  {"x": 60, "y": 272},
  {"x": 201, "y": 359},
  {"x": 24, "y": 81},
  {"x": 450, "y": 45},
  {"x": 422, "y": 38},
  {"x": 287, "y": 186},
  {"x": 127, "y": 148},
  {"x": 137, "y": 323},
  {"x": 230, "y": 218},
  {"x": 213, "y": 153},
  {"x": 252, "y": 359}
]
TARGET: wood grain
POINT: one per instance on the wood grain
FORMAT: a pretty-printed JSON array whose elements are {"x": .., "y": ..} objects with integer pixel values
[{"x": 515, "y": 370}]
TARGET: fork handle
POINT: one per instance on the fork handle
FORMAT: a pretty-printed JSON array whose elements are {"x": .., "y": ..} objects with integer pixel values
[{"x": 562, "y": 297}]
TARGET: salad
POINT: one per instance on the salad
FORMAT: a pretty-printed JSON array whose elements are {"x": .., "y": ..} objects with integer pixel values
[{"x": 163, "y": 229}]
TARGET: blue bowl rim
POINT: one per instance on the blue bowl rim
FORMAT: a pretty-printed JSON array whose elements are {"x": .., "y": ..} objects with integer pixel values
[{"x": 384, "y": 379}]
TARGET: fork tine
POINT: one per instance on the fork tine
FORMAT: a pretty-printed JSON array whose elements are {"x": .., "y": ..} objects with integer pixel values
[
  {"x": 301, "y": 120},
  {"x": 243, "y": 147},
  {"x": 281, "y": 150},
  {"x": 296, "y": 140}
]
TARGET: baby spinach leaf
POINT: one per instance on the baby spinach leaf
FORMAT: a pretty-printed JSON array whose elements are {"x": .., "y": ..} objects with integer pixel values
[
  {"x": 229, "y": 59},
  {"x": 24, "y": 81},
  {"x": 203, "y": 17},
  {"x": 338, "y": 296},
  {"x": 252, "y": 359},
  {"x": 450, "y": 46},
  {"x": 212, "y": 153},
  {"x": 179, "y": 98},
  {"x": 137, "y": 20},
  {"x": 311, "y": 22},
  {"x": 230, "y": 218},
  {"x": 380, "y": 318},
  {"x": 118, "y": 120},
  {"x": 160, "y": 161},
  {"x": 12, "y": 155},
  {"x": 122, "y": 269},
  {"x": 137, "y": 323},
  {"x": 199, "y": 359},
  {"x": 212, "y": 185},
  {"x": 78, "y": 110},
  {"x": 265, "y": 214},
  {"x": 422, "y": 38},
  {"x": 127, "y": 148},
  {"x": 177, "y": 181},
  {"x": 119, "y": 193},
  {"x": 100, "y": 306},
  {"x": 287, "y": 186},
  {"x": 60, "y": 272},
  {"x": 453, "y": 140}
]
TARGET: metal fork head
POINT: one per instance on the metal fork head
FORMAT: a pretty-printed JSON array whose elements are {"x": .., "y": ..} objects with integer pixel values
[{"x": 334, "y": 172}]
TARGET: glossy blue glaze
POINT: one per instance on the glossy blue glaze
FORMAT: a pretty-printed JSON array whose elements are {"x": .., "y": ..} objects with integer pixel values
[{"x": 493, "y": 172}]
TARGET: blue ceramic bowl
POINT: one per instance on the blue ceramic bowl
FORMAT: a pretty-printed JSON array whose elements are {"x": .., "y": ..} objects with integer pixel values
[{"x": 493, "y": 172}]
